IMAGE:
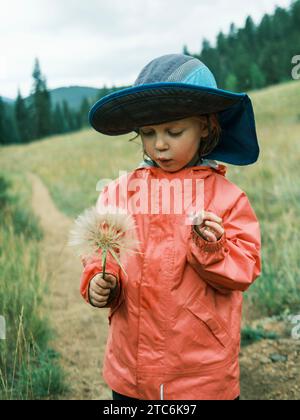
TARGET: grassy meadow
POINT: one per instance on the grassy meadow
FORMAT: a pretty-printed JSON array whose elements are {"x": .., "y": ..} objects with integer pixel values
[
  {"x": 70, "y": 167},
  {"x": 28, "y": 366}
]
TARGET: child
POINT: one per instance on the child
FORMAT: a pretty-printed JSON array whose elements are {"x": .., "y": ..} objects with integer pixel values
[{"x": 175, "y": 318}]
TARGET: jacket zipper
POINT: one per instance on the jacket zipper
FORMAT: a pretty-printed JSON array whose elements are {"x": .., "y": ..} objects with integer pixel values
[{"x": 162, "y": 391}]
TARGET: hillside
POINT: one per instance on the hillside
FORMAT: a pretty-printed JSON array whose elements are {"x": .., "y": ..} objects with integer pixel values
[
  {"x": 7, "y": 100},
  {"x": 73, "y": 95}
]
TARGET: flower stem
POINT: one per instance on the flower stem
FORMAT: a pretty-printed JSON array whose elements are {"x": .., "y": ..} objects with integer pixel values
[{"x": 104, "y": 253}]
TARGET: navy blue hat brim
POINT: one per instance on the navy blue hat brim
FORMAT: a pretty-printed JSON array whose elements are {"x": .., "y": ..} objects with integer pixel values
[
  {"x": 128, "y": 109},
  {"x": 238, "y": 144}
]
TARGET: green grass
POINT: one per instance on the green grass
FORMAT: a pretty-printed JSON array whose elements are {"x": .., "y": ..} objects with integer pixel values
[
  {"x": 29, "y": 369},
  {"x": 251, "y": 335},
  {"x": 71, "y": 165}
]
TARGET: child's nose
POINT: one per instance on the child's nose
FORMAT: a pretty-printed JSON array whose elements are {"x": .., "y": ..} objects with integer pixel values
[{"x": 160, "y": 143}]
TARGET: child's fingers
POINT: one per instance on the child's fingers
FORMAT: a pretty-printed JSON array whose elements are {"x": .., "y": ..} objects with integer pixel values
[
  {"x": 98, "y": 301},
  {"x": 105, "y": 283},
  {"x": 97, "y": 298},
  {"x": 207, "y": 234},
  {"x": 210, "y": 236},
  {"x": 208, "y": 215},
  {"x": 107, "y": 277},
  {"x": 99, "y": 290},
  {"x": 112, "y": 279},
  {"x": 215, "y": 226}
]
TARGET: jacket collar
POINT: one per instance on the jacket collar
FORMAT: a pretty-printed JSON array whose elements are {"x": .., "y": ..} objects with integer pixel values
[{"x": 195, "y": 165}]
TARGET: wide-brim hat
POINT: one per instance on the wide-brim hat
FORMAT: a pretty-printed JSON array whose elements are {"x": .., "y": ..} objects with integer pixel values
[{"x": 177, "y": 86}]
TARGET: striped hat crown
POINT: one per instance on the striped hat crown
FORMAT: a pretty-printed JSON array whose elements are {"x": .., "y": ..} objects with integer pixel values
[{"x": 176, "y": 68}]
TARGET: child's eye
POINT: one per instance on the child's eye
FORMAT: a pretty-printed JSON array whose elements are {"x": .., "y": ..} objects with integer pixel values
[
  {"x": 150, "y": 133},
  {"x": 146, "y": 134},
  {"x": 175, "y": 134}
]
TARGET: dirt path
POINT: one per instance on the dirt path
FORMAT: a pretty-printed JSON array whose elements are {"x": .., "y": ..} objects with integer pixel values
[
  {"x": 81, "y": 330},
  {"x": 270, "y": 369}
]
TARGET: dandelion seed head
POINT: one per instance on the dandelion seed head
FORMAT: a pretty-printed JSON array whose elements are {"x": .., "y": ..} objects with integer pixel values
[{"x": 106, "y": 228}]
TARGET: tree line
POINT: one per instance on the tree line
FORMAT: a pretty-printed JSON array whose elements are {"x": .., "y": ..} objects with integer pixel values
[
  {"x": 35, "y": 117},
  {"x": 255, "y": 56}
]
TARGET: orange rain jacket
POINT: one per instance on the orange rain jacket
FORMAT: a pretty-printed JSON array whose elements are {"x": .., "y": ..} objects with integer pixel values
[{"x": 174, "y": 327}]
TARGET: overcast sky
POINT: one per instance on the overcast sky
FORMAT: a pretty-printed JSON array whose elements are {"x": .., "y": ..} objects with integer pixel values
[{"x": 89, "y": 43}]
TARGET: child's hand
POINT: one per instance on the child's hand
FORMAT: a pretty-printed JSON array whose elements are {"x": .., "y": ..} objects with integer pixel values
[
  {"x": 100, "y": 289},
  {"x": 210, "y": 228}
]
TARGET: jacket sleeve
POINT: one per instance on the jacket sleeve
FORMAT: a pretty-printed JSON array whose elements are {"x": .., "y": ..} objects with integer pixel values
[
  {"x": 234, "y": 261},
  {"x": 93, "y": 266}
]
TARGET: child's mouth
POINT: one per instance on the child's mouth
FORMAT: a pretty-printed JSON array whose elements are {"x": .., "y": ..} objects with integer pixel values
[{"x": 164, "y": 161}]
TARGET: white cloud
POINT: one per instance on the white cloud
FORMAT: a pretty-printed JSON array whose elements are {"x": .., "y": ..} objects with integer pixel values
[{"x": 96, "y": 42}]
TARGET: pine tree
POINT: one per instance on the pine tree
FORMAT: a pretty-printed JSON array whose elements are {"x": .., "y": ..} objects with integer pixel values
[
  {"x": 58, "y": 121},
  {"x": 22, "y": 119},
  {"x": 8, "y": 131},
  {"x": 68, "y": 117},
  {"x": 256, "y": 55},
  {"x": 257, "y": 77},
  {"x": 295, "y": 9},
  {"x": 242, "y": 63},
  {"x": 250, "y": 35},
  {"x": 83, "y": 112},
  {"x": 185, "y": 50},
  {"x": 77, "y": 118},
  {"x": 40, "y": 104},
  {"x": 209, "y": 56},
  {"x": 232, "y": 40},
  {"x": 224, "y": 64}
]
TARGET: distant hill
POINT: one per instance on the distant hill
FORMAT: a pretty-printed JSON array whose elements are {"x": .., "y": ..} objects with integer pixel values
[
  {"x": 73, "y": 95},
  {"x": 7, "y": 100}
]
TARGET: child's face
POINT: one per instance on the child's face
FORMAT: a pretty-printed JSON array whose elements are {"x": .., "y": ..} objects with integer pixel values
[{"x": 175, "y": 140}]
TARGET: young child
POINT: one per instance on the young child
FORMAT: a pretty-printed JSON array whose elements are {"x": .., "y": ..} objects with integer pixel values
[{"x": 175, "y": 318}]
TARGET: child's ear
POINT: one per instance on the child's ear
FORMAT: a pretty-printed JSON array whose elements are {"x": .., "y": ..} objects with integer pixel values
[
  {"x": 204, "y": 127},
  {"x": 210, "y": 125}
]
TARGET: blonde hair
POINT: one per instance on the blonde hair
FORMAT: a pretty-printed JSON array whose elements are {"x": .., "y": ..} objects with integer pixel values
[{"x": 207, "y": 144}]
